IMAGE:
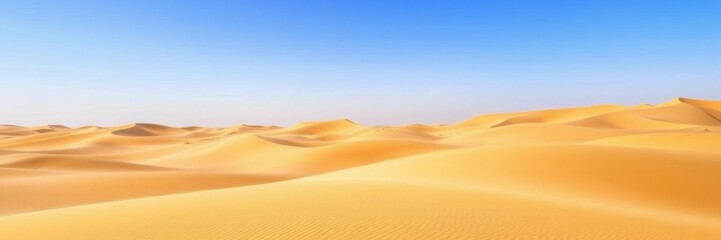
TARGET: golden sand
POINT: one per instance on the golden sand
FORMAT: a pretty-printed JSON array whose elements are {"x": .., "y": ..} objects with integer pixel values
[{"x": 598, "y": 172}]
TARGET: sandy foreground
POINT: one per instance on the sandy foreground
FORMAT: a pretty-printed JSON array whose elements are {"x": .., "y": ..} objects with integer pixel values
[{"x": 597, "y": 172}]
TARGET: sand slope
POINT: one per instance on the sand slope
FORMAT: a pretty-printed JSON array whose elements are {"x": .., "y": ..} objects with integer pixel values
[{"x": 598, "y": 172}]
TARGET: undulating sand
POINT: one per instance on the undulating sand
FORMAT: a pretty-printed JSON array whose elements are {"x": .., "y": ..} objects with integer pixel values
[{"x": 597, "y": 172}]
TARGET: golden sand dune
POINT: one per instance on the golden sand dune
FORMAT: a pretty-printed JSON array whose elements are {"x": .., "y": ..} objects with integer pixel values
[{"x": 598, "y": 172}]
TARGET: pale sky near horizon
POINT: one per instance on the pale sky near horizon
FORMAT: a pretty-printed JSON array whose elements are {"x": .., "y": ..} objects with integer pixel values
[{"x": 218, "y": 63}]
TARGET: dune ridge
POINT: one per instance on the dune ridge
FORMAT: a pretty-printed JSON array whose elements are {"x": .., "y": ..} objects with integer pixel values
[{"x": 596, "y": 172}]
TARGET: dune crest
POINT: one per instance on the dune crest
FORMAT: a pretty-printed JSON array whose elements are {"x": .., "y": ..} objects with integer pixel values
[{"x": 596, "y": 172}]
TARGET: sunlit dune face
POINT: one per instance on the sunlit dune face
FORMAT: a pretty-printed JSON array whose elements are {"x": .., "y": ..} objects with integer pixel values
[{"x": 598, "y": 172}]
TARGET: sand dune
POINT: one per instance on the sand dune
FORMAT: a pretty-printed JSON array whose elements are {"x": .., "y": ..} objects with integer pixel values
[{"x": 598, "y": 172}]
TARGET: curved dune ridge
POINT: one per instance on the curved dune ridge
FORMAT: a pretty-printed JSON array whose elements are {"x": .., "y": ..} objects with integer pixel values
[{"x": 597, "y": 172}]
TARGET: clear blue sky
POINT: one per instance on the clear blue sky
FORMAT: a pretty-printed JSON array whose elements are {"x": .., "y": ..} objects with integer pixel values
[{"x": 220, "y": 63}]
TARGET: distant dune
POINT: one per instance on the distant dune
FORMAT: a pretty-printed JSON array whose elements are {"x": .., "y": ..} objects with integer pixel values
[{"x": 597, "y": 172}]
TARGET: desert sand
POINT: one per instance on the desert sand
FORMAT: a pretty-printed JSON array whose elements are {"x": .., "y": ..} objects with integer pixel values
[{"x": 596, "y": 172}]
